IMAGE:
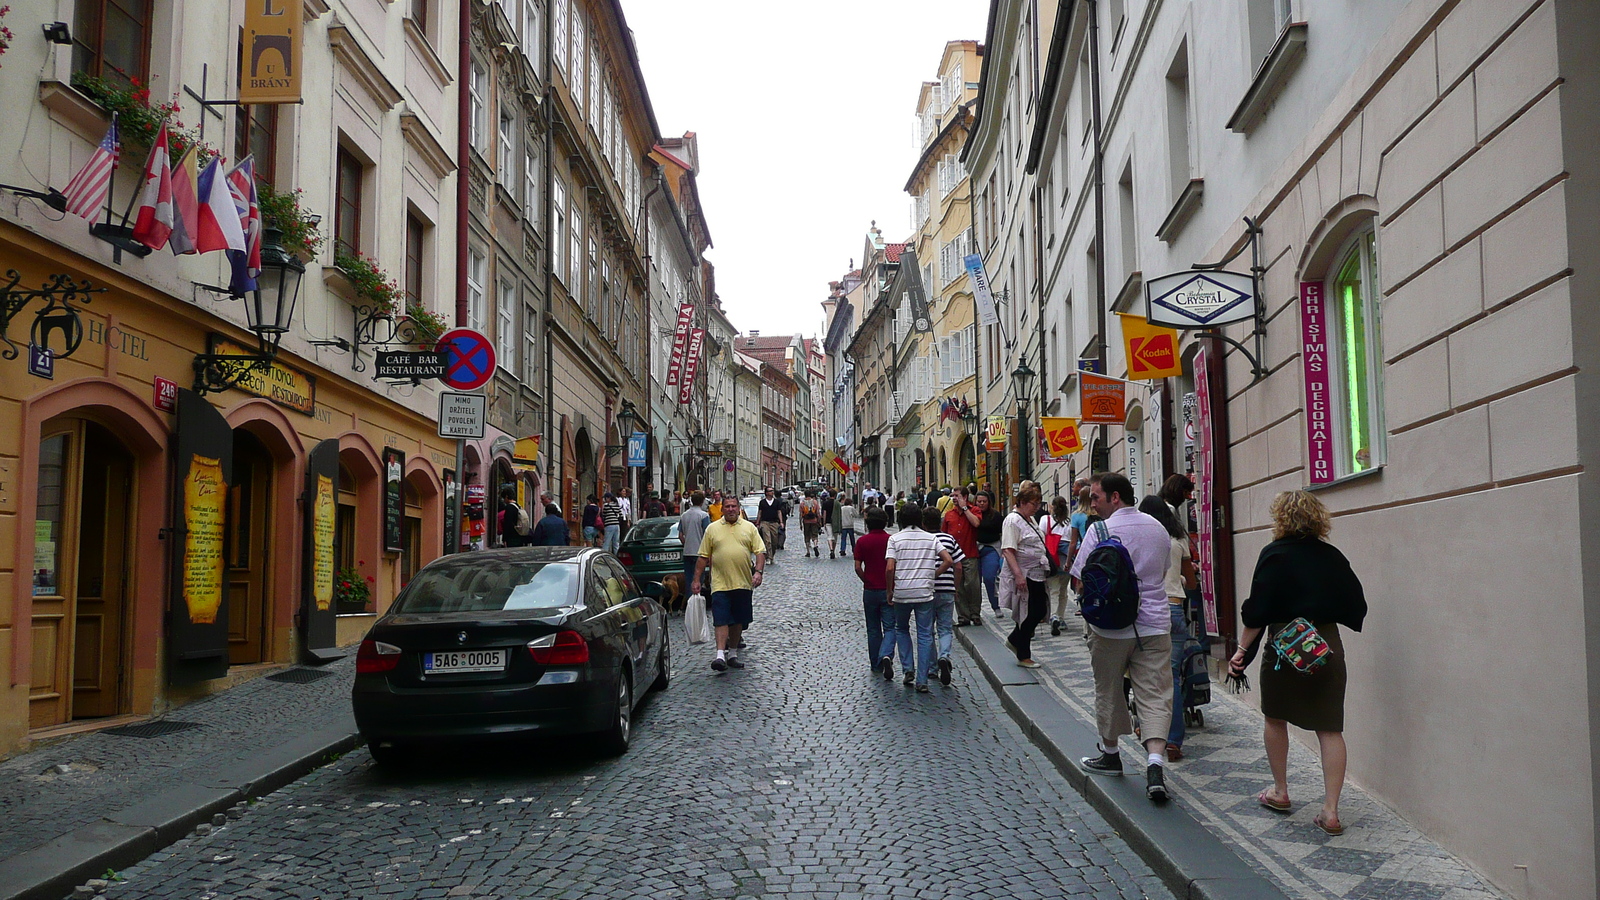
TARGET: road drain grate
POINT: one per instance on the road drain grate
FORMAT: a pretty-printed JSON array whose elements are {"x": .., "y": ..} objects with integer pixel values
[
  {"x": 299, "y": 676},
  {"x": 152, "y": 729}
]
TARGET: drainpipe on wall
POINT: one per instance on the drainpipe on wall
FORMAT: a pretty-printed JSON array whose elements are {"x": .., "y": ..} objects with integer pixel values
[{"x": 554, "y": 465}]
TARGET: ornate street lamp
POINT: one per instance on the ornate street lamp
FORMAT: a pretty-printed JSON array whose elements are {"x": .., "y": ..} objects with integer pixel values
[
  {"x": 1022, "y": 379},
  {"x": 268, "y": 310}
]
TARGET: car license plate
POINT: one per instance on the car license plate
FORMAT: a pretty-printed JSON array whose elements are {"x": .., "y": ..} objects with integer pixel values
[
  {"x": 464, "y": 661},
  {"x": 669, "y": 556}
]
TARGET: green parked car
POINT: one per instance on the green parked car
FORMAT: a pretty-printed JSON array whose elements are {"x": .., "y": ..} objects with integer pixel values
[{"x": 651, "y": 550}]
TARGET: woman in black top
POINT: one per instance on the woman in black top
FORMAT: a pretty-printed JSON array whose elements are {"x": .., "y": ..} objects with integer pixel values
[
  {"x": 1301, "y": 575},
  {"x": 986, "y": 522}
]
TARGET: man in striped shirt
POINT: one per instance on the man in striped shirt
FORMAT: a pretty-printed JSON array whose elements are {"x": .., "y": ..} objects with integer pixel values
[
  {"x": 912, "y": 562},
  {"x": 944, "y": 590}
]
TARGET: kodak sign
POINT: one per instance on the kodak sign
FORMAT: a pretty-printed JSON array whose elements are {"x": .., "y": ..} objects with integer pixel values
[
  {"x": 1060, "y": 437},
  {"x": 1152, "y": 351},
  {"x": 270, "y": 64}
]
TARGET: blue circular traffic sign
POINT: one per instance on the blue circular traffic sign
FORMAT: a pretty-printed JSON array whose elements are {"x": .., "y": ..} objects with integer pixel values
[{"x": 468, "y": 359}]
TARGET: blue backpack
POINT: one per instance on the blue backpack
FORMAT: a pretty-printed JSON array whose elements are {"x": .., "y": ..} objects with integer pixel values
[{"x": 1110, "y": 585}]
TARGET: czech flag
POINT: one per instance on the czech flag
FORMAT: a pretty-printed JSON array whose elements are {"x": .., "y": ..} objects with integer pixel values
[{"x": 217, "y": 225}]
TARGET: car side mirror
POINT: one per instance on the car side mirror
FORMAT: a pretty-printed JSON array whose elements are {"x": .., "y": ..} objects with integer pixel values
[{"x": 654, "y": 590}]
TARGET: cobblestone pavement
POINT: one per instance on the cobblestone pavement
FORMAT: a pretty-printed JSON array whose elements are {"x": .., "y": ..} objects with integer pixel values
[
  {"x": 79, "y": 780},
  {"x": 803, "y": 776},
  {"x": 1225, "y": 765}
]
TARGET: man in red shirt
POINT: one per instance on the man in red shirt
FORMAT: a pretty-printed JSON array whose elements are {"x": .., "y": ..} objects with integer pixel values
[
  {"x": 869, "y": 551},
  {"x": 969, "y": 596}
]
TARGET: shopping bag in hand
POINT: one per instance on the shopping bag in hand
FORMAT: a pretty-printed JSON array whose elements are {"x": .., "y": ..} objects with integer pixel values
[{"x": 697, "y": 621}]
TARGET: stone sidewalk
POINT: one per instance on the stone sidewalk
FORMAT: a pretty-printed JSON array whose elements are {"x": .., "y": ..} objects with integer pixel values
[
  {"x": 104, "y": 800},
  {"x": 1224, "y": 767}
]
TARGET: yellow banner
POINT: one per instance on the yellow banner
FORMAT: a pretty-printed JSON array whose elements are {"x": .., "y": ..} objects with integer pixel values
[
  {"x": 203, "y": 494},
  {"x": 1061, "y": 436},
  {"x": 1152, "y": 350},
  {"x": 271, "y": 60},
  {"x": 324, "y": 519},
  {"x": 527, "y": 449},
  {"x": 995, "y": 434}
]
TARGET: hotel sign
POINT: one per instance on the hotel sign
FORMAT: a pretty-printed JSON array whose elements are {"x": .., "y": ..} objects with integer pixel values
[
  {"x": 1200, "y": 299},
  {"x": 270, "y": 67}
]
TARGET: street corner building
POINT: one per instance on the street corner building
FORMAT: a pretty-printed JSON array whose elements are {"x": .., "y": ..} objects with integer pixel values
[
  {"x": 200, "y": 479},
  {"x": 1375, "y": 232}
]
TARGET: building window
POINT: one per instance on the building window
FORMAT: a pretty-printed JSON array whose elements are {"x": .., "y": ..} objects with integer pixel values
[
  {"x": 415, "y": 233},
  {"x": 506, "y": 321},
  {"x": 1130, "y": 237},
  {"x": 255, "y": 133},
  {"x": 1357, "y": 358},
  {"x": 560, "y": 38},
  {"x": 478, "y": 92},
  {"x": 506, "y": 164},
  {"x": 1178, "y": 156},
  {"x": 530, "y": 183},
  {"x": 530, "y": 344},
  {"x": 558, "y": 229},
  {"x": 580, "y": 56},
  {"x": 575, "y": 254},
  {"x": 476, "y": 276},
  {"x": 347, "y": 219},
  {"x": 111, "y": 40},
  {"x": 419, "y": 15},
  {"x": 531, "y": 36},
  {"x": 1267, "y": 19}
]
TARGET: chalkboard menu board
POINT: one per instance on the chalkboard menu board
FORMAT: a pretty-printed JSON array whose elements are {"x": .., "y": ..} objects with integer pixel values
[
  {"x": 452, "y": 511},
  {"x": 394, "y": 501}
]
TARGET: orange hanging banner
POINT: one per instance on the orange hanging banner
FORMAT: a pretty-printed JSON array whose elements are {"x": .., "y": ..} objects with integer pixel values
[
  {"x": 1103, "y": 399},
  {"x": 1152, "y": 350}
]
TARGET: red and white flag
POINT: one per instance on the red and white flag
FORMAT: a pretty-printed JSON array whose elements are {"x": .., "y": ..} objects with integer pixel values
[
  {"x": 154, "y": 223},
  {"x": 86, "y": 192},
  {"x": 217, "y": 226}
]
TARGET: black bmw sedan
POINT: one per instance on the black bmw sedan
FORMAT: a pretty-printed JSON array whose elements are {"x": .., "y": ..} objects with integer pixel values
[{"x": 525, "y": 640}]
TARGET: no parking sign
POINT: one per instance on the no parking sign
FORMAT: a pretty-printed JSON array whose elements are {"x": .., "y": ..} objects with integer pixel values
[{"x": 469, "y": 359}]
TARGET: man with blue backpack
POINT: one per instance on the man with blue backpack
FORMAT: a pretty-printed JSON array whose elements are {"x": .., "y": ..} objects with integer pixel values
[{"x": 1121, "y": 570}]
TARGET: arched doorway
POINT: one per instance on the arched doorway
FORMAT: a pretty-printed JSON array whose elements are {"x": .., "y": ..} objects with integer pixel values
[
  {"x": 965, "y": 465},
  {"x": 80, "y": 572}
]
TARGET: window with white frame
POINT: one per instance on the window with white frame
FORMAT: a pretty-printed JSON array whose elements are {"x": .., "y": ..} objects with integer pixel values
[
  {"x": 580, "y": 59},
  {"x": 591, "y": 293},
  {"x": 506, "y": 164},
  {"x": 558, "y": 229},
  {"x": 476, "y": 277},
  {"x": 1356, "y": 358},
  {"x": 531, "y": 36},
  {"x": 478, "y": 93},
  {"x": 575, "y": 255},
  {"x": 530, "y": 182},
  {"x": 559, "y": 26},
  {"x": 931, "y": 286},
  {"x": 530, "y": 342},
  {"x": 506, "y": 326},
  {"x": 953, "y": 84}
]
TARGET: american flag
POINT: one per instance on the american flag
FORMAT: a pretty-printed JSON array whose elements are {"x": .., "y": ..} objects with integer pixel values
[{"x": 86, "y": 192}]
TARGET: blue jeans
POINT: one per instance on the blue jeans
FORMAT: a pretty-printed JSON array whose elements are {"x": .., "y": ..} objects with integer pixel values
[
  {"x": 847, "y": 534},
  {"x": 878, "y": 615},
  {"x": 613, "y": 538},
  {"x": 944, "y": 616},
  {"x": 989, "y": 562},
  {"x": 1180, "y": 646},
  {"x": 901, "y": 636}
]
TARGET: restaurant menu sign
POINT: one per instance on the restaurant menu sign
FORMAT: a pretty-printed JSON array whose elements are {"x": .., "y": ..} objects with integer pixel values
[
  {"x": 324, "y": 516},
  {"x": 204, "y": 489},
  {"x": 394, "y": 501}
]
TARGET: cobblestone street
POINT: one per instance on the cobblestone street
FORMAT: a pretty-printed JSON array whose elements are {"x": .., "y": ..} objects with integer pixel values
[{"x": 804, "y": 775}]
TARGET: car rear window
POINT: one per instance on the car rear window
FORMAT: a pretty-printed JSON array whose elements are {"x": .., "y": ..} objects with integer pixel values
[
  {"x": 489, "y": 586},
  {"x": 654, "y": 530}
]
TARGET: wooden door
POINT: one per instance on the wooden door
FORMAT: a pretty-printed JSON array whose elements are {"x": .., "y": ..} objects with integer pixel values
[
  {"x": 246, "y": 547},
  {"x": 101, "y": 597},
  {"x": 54, "y": 571}
]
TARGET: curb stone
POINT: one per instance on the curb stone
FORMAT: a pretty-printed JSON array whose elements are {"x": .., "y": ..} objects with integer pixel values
[
  {"x": 1193, "y": 862},
  {"x": 51, "y": 870}
]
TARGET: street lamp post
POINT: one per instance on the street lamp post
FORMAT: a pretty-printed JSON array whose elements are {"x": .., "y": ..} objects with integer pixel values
[
  {"x": 1022, "y": 379},
  {"x": 626, "y": 418}
]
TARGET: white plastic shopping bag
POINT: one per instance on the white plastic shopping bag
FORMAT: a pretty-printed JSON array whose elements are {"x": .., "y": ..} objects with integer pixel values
[{"x": 697, "y": 621}]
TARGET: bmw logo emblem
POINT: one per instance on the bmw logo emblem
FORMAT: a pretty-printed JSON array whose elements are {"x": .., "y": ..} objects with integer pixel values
[{"x": 461, "y": 638}]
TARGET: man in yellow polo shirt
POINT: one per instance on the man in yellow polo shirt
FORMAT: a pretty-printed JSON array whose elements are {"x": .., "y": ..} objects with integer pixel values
[
  {"x": 727, "y": 550},
  {"x": 715, "y": 506}
]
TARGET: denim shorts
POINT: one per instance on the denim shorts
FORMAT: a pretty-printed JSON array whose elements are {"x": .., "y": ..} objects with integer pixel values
[
  {"x": 731, "y": 608},
  {"x": 591, "y": 533}
]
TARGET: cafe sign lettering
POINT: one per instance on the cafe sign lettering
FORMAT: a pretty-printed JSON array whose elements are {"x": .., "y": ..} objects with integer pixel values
[{"x": 282, "y": 385}]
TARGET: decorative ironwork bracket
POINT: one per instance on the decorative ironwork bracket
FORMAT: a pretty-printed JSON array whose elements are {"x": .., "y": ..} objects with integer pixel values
[
  {"x": 380, "y": 329},
  {"x": 217, "y": 372},
  {"x": 1257, "y": 359},
  {"x": 58, "y": 290}
]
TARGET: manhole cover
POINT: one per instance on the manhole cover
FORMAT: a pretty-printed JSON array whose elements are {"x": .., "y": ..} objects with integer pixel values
[
  {"x": 300, "y": 676},
  {"x": 152, "y": 729}
]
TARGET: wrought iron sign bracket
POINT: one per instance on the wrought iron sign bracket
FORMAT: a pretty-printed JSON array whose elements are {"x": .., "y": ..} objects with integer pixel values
[
  {"x": 1257, "y": 359},
  {"x": 57, "y": 314},
  {"x": 380, "y": 329}
]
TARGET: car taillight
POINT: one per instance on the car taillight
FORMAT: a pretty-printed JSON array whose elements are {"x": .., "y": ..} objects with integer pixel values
[
  {"x": 564, "y": 648},
  {"x": 627, "y": 558},
  {"x": 376, "y": 656}
]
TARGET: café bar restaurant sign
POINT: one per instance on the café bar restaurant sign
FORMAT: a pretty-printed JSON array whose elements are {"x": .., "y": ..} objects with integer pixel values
[
  {"x": 1200, "y": 299},
  {"x": 284, "y": 386}
]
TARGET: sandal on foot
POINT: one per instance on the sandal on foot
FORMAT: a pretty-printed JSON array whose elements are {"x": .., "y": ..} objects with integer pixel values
[
  {"x": 1265, "y": 800},
  {"x": 1320, "y": 822}
]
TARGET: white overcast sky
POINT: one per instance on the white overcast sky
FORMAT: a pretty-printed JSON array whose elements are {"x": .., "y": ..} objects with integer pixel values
[{"x": 804, "y": 114}]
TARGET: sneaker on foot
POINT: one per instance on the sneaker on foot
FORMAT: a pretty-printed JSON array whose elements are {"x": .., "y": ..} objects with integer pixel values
[
  {"x": 1155, "y": 783},
  {"x": 720, "y": 664},
  {"x": 909, "y": 678},
  {"x": 944, "y": 671},
  {"x": 922, "y": 688},
  {"x": 886, "y": 666},
  {"x": 1104, "y": 764},
  {"x": 734, "y": 663}
]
